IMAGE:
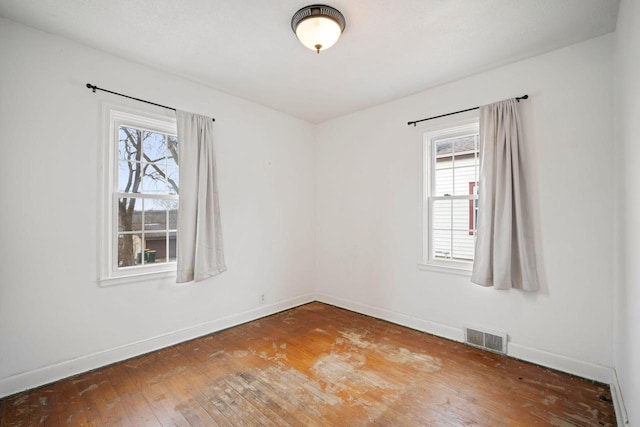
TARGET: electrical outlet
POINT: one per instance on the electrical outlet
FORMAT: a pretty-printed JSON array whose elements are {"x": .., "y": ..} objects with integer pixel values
[{"x": 262, "y": 297}]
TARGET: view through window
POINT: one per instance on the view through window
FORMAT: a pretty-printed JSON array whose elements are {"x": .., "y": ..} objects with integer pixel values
[
  {"x": 146, "y": 197},
  {"x": 451, "y": 195}
]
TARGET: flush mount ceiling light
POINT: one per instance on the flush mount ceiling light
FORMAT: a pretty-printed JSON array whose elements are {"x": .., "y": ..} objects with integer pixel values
[{"x": 318, "y": 26}]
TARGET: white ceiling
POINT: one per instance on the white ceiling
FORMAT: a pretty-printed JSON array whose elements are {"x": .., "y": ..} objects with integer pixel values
[{"x": 390, "y": 48}]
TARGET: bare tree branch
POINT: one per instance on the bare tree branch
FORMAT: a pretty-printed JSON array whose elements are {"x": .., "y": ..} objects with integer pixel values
[
  {"x": 163, "y": 174},
  {"x": 132, "y": 149}
]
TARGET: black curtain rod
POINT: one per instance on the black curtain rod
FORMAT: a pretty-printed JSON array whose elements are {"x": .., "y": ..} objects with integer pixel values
[
  {"x": 457, "y": 112},
  {"x": 94, "y": 88}
]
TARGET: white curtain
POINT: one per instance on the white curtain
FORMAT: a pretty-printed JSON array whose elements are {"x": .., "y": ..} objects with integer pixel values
[
  {"x": 199, "y": 244},
  {"x": 505, "y": 252}
]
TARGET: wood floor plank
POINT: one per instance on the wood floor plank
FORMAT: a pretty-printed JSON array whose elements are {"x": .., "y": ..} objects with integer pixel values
[
  {"x": 269, "y": 409},
  {"x": 316, "y": 365},
  {"x": 215, "y": 411},
  {"x": 39, "y": 413},
  {"x": 138, "y": 410}
]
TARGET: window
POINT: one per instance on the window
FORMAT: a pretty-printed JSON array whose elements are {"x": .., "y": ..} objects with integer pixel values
[
  {"x": 141, "y": 195},
  {"x": 450, "y": 199}
]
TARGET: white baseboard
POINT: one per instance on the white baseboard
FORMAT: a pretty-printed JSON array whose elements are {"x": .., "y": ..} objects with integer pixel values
[
  {"x": 618, "y": 402},
  {"x": 591, "y": 371},
  {"x": 412, "y": 322},
  {"x": 577, "y": 367},
  {"x": 48, "y": 374}
]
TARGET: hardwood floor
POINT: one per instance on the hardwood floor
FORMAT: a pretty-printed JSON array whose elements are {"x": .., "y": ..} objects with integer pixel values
[{"x": 316, "y": 365}]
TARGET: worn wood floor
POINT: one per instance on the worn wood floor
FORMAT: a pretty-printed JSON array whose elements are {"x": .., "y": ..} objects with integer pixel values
[{"x": 316, "y": 365}]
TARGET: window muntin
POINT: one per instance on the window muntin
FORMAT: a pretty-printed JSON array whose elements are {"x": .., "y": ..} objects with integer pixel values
[
  {"x": 147, "y": 196},
  {"x": 141, "y": 191},
  {"x": 450, "y": 206}
]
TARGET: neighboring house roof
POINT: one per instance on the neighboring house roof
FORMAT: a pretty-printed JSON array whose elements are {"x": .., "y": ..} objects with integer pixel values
[
  {"x": 462, "y": 145},
  {"x": 155, "y": 220}
]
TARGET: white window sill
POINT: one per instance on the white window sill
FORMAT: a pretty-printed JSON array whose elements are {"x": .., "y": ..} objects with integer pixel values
[
  {"x": 457, "y": 270},
  {"x": 136, "y": 277}
]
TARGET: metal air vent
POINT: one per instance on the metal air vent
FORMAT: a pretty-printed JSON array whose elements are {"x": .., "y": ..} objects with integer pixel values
[{"x": 492, "y": 341}]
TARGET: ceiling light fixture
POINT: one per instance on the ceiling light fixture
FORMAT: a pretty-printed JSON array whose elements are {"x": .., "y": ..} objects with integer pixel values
[{"x": 318, "y": 26}]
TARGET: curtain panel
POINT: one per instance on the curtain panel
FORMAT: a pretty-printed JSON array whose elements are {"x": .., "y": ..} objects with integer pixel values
[
  {"x": 200, "y": 251},
  {"x": 505, "y": 250}
]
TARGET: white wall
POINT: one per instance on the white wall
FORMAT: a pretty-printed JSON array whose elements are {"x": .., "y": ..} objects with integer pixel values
[
  {"x": 368, "y": 172},
  {"x": 54, "y": 319},
  {"x": 627, "y": 301}
]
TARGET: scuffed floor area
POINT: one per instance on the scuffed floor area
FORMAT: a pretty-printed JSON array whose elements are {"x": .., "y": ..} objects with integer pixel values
[{"x": 316, "y": 365}]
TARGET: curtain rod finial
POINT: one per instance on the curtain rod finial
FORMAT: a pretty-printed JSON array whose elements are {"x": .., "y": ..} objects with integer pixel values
[{"x": 92, "y": 87}]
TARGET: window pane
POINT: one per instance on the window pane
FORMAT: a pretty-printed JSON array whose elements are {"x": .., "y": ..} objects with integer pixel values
[
  {"x": 444, "y": 162},
  {"x": 129, "y": 211},
  {"x": 455, "y": 165},
  {"x": 155, "y": 214},
  {"x": 443, "y": 182},
  {"x": 129, "y": 174},
  {"x": 465, "y": 173},
  {"x": 441, "y": 215},
  {"x": 463, "y": 245},
  {"x": 451, "y": 238},
  {"x": 460, "y": 215},
  {"x": 155, "y": 170},
  {"x": 173, "y": 180},
  {"x": 155, "y": 247},
  {"x": 464, "y": 144},
  {"x": 129, "y": 248},
  {"x": 155, "y": 220},
  {"x": 441, "y": 244},
  {"x": 154, "y": 179},
  {"x": 443, "y": 148},
  {"x": 159, "y": 247},
  {"x": 129, "y": 143},
  {"x": 154, "y": 147}
]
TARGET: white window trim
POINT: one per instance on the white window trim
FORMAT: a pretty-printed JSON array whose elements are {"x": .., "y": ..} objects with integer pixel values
[
  {"x": 114, "y": 115},
  {"x": 470, "y": 123}
]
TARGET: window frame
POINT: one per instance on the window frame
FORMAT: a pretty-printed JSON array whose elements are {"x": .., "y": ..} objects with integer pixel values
[
  {"x": 473, "y": 206},
  {"x": 443, "y": 129},
  {"x": 114, "y": 116}
]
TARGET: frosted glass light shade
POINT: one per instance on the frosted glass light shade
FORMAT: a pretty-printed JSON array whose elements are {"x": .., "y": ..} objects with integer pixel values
[
  {"x": 318, "y": 26},
  {"x": 318, "y": 31}
]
